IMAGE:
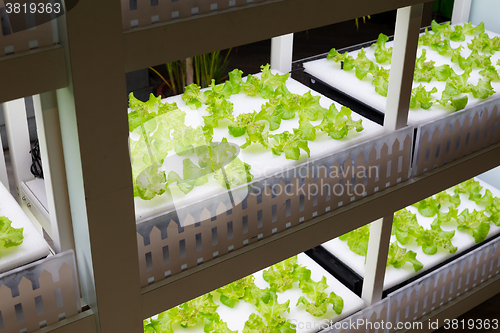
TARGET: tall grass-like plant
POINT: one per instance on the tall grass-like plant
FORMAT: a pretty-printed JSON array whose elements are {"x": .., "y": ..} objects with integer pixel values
[
  {"x": 177, "y": 74},
  {"x": 199, "y": 69},
  {"x": 210, "y": 66}
]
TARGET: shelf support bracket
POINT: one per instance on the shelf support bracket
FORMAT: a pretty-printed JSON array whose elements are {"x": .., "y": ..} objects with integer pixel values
[
  {"x": 281, "y": 53},
  {"x": 461, "y": 11},
  {"x": 376, "y": 260},
  {"x": 16, "y": 125},
  {"x": 54, "y": 171},
  {"x": 404, "y": 53}
]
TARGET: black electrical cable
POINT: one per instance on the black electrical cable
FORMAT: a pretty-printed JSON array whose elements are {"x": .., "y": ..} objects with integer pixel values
[{"x": 36, "y": 162}]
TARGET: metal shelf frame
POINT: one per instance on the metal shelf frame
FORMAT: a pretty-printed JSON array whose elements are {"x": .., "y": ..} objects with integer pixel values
[{"x": 87, "y": 73}]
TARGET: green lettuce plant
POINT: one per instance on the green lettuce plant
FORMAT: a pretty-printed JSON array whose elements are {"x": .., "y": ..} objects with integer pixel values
[{"x": 9, "y": 236}]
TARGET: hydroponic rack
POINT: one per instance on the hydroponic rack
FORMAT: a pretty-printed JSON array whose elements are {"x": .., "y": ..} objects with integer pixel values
[{"x": 81, "y": 80}]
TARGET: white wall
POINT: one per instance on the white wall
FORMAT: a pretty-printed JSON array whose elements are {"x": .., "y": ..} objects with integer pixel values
[{"x": 487, "y": 11}]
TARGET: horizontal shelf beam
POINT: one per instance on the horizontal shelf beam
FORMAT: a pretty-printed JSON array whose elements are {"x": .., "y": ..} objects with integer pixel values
[
  {"x": 32, "y": 72},
  {"x": 216, "y": 273},
  {"x": 83, "y": 322},
  {"x": 182, "y": 38}
]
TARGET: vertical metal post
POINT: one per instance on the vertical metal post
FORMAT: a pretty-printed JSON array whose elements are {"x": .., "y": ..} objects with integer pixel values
[
  {"x": 16, "y": 125},
  {"x": 402, "y": 66},
  {"x": 408, "y": 23},
  {"x": 281, "y": 53},
  {"x": 94, "y": 130},
  {"x": 4, "y": 179},
  {"x": 461, "y": 11},
  {"x": 376, "y": 260},
  {"x": 51, "y": 153}
]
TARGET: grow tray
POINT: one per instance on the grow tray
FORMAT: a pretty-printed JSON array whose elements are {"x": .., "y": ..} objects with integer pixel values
[
  {"x": 177, "y": 232},
  {"x": 263, "y": 162},
  {"x": 336, "y": 256},
  {"x": 330, "y": 79},
  {"x": 33, "y": 247},
  {"x": 305, "y": 322}
]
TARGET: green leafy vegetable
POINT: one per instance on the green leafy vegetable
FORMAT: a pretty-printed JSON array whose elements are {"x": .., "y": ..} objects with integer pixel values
[
  {"x": 309, "y": 107},
  {"x": 214, "y": 324},
  {"x": 494, "y": 210},
  {"x": 398, "y": 257},
  {"x": 431, "y": 239},
  {"x": 334, "y": 55},
  {"x": 476, "y": 224},
  {"x": 290, "y": 144},
  {"x": 282, "y": 275},
  {"x": 193, "y": 96},
  {"x": 381, "y": 81},
  {"x": 338, "y": 123},
  {"x": 193, "y": 176},
  {"x": 421, "y": 96},
  {"x": 272, "y": 319},
  {"x": 357, "y": 240},
  {"x": 361, "y": 64},
  {"x": 451, "y": 94},
  {"x": 187, "y": 315},
  {"x": 424, "y": 70},
  {"x": 382, "y": 54},
  {"x": 468, "y": 29},
  {"x": 320, "y": 300},
  {"x": 471, "y": 187},
  {"x": 474, "y": 59},
  {"x": 490, "y": 73},
  {"x": 482, "y": 90},
  {"x": 9, "y": 236},
  {"x": 485, "y": 44},
  {"x": 405, "y": 226},
  {"x": 264, "y": 86},
  {"x": 230, "y": 294},
  {"x": 150, "y": 182}
]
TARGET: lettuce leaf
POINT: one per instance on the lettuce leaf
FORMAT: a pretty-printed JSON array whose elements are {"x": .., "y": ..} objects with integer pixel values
[
  {"x": 476, "y": 224},
  {"x": 337, "y": 124},
  {"x": 150, "y": 182},
  {"x": 490, "y": 73},
  {"x": 405, "y": 226},
  {"x": 290, "y": 144},
  {"x": 320, "y": 299},
  {"x": 431, "y": 239},
  {"x": 420, "y": 95},
  {"x": 186, "y": 315},
  {"x": 482, "y": 90},
  {"x": 214, "y": 324},
  {"x": 468, "y": 29},
  {"x": 361, "y": 64},
  {"x": 193, "y": 96},
  {"x": 284, "y": 274},
  {"x": 451, "y": 94},
  {"x": 266, "y": 85},
  {"x": 381, "y": 81},
  {"x": 9, "y": 236},
  {"x": 272, "y": 319},
  {"x": 494, "y": 210},
  {"x": 382, "y": 54},
  {"x": 483, "y": 43},
  {"x": 335, "y": 56},
  {"x": 399, "y": 256},
  {"x": 424, "y": 70},
  {"x": 357, "y": 240},
  {"x": 230, "y": 294}
]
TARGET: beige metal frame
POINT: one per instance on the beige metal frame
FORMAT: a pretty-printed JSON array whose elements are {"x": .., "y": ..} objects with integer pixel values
[{"x": 88, "y": 72}]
